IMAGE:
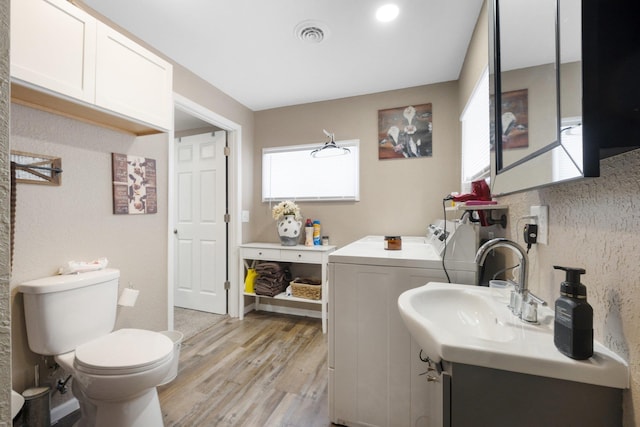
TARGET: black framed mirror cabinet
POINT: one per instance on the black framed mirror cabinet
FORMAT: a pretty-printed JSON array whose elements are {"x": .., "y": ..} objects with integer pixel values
[{"x": 567, "y": 75}]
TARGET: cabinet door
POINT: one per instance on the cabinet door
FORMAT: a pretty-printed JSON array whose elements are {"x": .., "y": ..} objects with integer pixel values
[
  {"x": 53, "y": 47},
  {"x": 132, "y": 81},
  {"x": 376, "y": 365}
]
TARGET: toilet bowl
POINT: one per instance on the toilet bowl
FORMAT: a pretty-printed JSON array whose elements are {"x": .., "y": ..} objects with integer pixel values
[
  {"x": 115, "y": 373},
  {"x": 114, "y": 377}
]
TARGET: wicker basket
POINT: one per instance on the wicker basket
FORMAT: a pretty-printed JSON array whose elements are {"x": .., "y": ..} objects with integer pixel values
[{"x": 306, "y": 288}]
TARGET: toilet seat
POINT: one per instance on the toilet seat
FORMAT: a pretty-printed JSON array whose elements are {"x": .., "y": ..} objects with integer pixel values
[{"x": 123, "y": 352}]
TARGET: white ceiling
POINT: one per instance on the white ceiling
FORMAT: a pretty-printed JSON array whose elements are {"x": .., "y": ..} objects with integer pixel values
[{"x": 249, "y": 49}]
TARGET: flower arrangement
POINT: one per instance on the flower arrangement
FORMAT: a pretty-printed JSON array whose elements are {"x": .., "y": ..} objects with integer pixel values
[{"x": 286, "y": 208}]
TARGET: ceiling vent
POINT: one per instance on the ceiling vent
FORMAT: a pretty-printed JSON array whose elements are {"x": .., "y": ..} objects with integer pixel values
[{"x": 311, "y": 31}]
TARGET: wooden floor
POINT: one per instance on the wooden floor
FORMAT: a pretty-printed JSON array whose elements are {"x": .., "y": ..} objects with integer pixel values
[{"x": 266, "y": 370}]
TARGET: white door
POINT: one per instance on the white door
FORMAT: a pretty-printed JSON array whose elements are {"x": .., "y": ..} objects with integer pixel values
[{"x": 200, "y": 231}]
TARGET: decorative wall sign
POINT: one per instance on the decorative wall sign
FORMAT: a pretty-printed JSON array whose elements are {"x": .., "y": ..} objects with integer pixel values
[
  {"x": 134, "y": 185},
  {"x": 33, "y": 168},
  {"x": 405, "y": 132},
  {"x": 515, "y": 119}
]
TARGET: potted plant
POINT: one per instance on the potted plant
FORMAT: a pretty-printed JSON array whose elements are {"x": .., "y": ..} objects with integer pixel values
[{"x": 288, "y": 217}]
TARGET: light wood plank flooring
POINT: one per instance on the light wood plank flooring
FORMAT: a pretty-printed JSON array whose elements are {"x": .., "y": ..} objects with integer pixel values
[{"x": 265, "y": 370}]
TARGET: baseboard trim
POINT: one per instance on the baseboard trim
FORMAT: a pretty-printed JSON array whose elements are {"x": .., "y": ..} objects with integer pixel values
[{"x": 64, "y": 409}]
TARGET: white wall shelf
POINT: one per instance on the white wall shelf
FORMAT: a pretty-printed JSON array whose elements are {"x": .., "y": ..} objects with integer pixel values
[
  {"x": 487, "y": 209},
  {"x": 464, "y": 207}
]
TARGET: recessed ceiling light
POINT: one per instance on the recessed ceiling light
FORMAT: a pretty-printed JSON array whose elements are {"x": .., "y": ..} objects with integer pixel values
[{"x": 387, "y": 13}]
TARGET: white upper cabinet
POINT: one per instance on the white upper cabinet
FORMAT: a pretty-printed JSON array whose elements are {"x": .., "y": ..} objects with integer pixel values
[
  {"x": 66, "y": 61},
  {"x": 53, "y": 47},
  {"x": 131, "y": 80}
]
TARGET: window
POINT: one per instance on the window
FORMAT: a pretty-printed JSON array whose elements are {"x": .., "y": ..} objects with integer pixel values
[
  {"x": 567, "y": 160},
  {"x": 475, "y": 134},
  {"x": 290, "y": 173}
]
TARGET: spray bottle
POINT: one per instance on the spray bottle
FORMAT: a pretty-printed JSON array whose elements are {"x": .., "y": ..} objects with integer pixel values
[{"x": 316, "y": 233}]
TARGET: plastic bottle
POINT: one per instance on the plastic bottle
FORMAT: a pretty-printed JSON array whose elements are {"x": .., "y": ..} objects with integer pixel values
[
  {"x": 308, "y": 233},
  {"x": 573, "y": 324},
  {"x": 316, "y": 233}
]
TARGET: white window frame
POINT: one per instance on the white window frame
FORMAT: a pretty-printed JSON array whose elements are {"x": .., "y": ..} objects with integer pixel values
[
  {"x": 571, "y": 139},
  {"x": 476, "y": 130},
  {"x": 290, "y": 173}
]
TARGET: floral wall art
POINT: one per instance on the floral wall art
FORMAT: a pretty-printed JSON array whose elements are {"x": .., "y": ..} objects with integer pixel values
[
  {"x": 134, "y": 185},
  {"x": 515, "y": 119},
  {"x": 405, "y": 132}
]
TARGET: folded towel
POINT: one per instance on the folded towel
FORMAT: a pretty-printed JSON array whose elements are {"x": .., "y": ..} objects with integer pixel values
[
  {"x": 272, "y": 279},
  {"x": 74, "y": 267}
]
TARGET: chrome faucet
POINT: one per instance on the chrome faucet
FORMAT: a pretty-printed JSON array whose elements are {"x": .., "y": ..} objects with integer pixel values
[
  {"x": 523, "y": 304},
  {"x": 500, "y": 242}
]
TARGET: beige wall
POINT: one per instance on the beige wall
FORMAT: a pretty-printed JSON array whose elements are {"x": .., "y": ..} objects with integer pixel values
[
  {"x": 74, "y": 221},
  {"x": 476, "y": 59},
  {"x": 5, "y": 185},
  {"x": 398, "y": 197}
]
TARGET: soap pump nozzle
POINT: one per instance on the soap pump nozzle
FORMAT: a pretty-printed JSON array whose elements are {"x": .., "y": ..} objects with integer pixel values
[{"x": 572, "y": 286}]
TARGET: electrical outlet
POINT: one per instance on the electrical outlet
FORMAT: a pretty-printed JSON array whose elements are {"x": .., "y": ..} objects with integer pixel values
[{"x": 542, "y": 220}]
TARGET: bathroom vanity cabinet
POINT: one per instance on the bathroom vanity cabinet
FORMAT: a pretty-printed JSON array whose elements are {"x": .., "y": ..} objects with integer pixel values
[
  {"x": 475, "y": 396},
  {"x": 305, "y": 260},
  {"x": 496, "y": 370}
]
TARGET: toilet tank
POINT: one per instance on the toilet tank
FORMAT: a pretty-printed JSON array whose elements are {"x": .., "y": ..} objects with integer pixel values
[{"x": 64, "y": 311}]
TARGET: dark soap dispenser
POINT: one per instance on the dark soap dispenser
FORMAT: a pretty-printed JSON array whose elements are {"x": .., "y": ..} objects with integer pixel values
[{"x": 573, "y": 326}]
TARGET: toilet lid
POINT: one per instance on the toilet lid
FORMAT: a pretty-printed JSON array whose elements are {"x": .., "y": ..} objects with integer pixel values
[{"x": 124, "y": 351}]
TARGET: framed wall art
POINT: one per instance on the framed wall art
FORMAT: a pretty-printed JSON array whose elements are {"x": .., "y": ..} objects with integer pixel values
[
  {"x": 31, "y": 168},
  {"x": 515, "y": 119},
  {"x": 134, "y": 185},
  {"x": 405, "y": 132}
]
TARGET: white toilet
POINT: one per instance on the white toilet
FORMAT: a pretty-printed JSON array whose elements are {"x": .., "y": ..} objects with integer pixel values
[{"x": 115, "y": 374}]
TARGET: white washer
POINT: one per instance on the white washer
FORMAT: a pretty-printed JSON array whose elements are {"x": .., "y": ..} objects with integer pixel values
[{"x": 374, "y": 364}]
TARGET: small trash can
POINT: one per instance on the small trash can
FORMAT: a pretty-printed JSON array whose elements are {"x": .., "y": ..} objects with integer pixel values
[
  {"x": 176, "y": 337},
  {"x": 36, "y": 411}
]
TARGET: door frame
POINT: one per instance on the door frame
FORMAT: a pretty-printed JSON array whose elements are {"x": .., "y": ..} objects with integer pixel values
[{"x": 234, "y": 141}]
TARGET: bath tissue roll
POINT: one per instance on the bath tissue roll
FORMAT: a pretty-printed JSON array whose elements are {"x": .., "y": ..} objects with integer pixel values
[{"x": 128, "y": 297}]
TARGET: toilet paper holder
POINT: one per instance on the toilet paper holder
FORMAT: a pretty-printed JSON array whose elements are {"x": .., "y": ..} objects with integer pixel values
[{"x": 128, "y": 296}]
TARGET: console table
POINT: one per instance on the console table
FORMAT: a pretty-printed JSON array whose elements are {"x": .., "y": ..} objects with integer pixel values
[{"x": 317, "y": 256}]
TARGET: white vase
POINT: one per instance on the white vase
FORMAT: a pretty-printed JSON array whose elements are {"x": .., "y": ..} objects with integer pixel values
[{"x": 289, "y": 230}]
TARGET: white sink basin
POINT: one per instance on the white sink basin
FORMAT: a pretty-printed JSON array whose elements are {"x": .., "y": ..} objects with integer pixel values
[
  {"x": 466, "y": 324},
  {"x": 465, "y": 313}
]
